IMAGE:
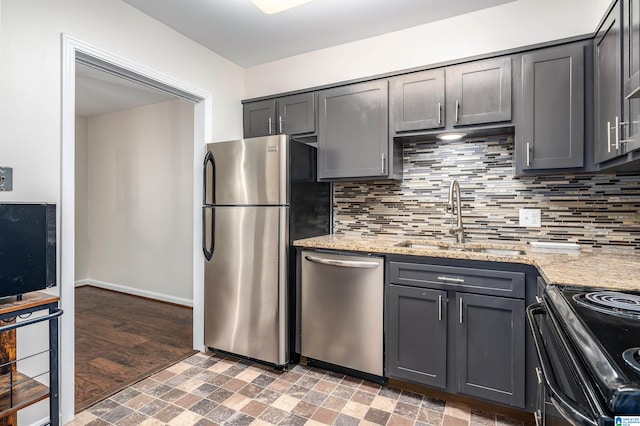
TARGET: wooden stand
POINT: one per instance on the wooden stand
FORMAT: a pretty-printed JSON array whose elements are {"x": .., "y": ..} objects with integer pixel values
[{"x": 17, "y": 390}]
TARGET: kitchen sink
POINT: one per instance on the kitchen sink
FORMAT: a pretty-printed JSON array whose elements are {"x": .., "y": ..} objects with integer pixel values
[
  {"x": 423, "y": 246},
  {"x": 487, "y": 250}
]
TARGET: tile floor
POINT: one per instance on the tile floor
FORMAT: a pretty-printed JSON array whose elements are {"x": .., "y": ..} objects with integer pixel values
[{"x": 214, "y": 389}]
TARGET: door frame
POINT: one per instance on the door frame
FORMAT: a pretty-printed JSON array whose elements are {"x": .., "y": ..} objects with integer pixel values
[{"x": 72, "y": 49}]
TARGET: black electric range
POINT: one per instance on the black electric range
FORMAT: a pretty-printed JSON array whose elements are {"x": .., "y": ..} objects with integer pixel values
[{"x": 595, "y": 335}]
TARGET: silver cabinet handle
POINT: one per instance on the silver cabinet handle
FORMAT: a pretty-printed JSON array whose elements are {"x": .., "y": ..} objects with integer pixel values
[
  {"x": 528, "y": 154},
  {"x": 538, "y": 417},
  {"x": 439, "y": 113},
  {"x": 608, "y": 136},
  {"x": 440, "y": 308},
  {"x": 625, "y": 124},
  {"x": 457, "y": 110},
  {"x": 343, "y": 263},
  {"x": 617, "y": 133},
  {"x": 461, "y": 310},
  {"x": 280, "y": 123},
  {"x": 452, "y": 280},
  {"x": 270, "y": 126},
  {"x": 382, "y": 158}
]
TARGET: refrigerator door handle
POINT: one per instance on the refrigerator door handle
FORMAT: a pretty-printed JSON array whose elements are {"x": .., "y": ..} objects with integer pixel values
[
  {"x": 208, "y": 158},
  {"x": 208, "y": 251}
]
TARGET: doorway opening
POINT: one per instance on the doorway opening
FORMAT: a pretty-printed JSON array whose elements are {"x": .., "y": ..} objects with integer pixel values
[
  {"x": 77, "y": 54},
  {"x": 133, "y": 222}
]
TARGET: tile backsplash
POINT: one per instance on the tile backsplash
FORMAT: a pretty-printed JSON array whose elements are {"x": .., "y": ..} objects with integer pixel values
[{"x": 593, "y": 210}]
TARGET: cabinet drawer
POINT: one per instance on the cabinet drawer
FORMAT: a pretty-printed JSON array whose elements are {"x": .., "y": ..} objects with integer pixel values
[{"x": 471, "y": 280}]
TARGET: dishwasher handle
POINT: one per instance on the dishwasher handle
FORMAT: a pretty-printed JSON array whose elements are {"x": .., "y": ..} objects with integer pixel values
[{"x": 343, "y": 263}]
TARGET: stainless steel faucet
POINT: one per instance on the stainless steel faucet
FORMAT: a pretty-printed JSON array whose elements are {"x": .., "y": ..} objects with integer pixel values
[{"x": 458, "y": 229}]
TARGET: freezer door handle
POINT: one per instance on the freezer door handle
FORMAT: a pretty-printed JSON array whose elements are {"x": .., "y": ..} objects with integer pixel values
[
  {"x": 342, "y": 263},
  {"x": 208, "y": 250},
  {"x": 208, "y": 158}
]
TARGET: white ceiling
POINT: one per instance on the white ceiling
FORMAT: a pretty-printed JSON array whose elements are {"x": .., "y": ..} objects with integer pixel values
[
  {"x": 240, "y": 32},
  {"x": 98, "y": 92}
]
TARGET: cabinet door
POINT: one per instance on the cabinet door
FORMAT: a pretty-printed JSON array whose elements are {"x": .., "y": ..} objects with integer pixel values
[
  {"x": 552, "y": 130},
  {"x": 353, "y": 137},
  {"x": 259, "y": 118},
  {"x": 479, "y": 92},
  {"x": 490, "y": 348},
  {"x": 417, "y": 101},
  {"x": 631, "y": 64},
  {"x": 417, "y": 335},
  {"x": 297, "y": 114},
  {"x": 608, "y": 88}
]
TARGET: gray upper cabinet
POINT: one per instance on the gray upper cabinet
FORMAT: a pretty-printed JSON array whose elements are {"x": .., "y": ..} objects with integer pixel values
[
  {"x": 417, "y": 335},
  {"x": 551, "y": 133},
  {"x": 490, "y": 343},
  {"x": 297, "y": 114},
  {"x": 353, "y": 137},
  {"x": 259, "y": 118},
  {"x": 479, "y": 92},
  {"x": 631, "y": 75},
  {"x": 418, "y": 101},
  {"x": 291, "y": 115},
  {"x": 608, "y": 88}
]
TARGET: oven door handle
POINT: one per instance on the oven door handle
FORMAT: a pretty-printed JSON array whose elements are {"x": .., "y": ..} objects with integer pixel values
[{"x": 561, "y": 401}]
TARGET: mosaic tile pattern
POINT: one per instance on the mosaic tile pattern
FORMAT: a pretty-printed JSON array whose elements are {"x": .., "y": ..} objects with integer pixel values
[
  {"x": 595, "y": 210},
  {"x": 208, "y": 389}
]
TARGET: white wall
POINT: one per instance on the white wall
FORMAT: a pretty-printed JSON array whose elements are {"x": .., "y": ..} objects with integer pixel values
[
  {"x": 30, "y": 52},
  {"x": 520, "y": 23},
  {"x": 82, "y": 198},
  {"x": 30, "y": 101},
  {"x": 140, "y": 198}
]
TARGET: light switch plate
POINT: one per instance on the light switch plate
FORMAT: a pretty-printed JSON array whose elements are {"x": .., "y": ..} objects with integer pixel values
[
  {"x": 530, "y": 218},
  {"x": 6, "y": 179}
]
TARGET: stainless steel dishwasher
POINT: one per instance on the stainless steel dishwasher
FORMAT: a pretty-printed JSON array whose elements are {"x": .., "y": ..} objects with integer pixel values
[{"x": 341, "y": 314}]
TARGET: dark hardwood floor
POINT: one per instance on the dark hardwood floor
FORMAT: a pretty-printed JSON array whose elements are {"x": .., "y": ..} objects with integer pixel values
[{"x": 122, "y": 338}]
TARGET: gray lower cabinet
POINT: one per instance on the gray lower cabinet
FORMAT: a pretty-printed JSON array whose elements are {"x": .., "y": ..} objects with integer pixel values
[
  {"x": 490, "y": 343},
  {"x": 551, "y": 133},
  {"x": 353, "y": 137},
  {"x": 479, "y": 92},
  {"x": 417, "y": 342},
  {"x": 461, "y": 329},
  {"x": 417, "y": 101},
  {"x": 608, "y": 87},
  {"x": 291, "y": 115}
]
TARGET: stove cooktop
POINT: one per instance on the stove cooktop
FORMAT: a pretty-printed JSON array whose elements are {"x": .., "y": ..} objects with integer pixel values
[{"x": 605, "y": 328}]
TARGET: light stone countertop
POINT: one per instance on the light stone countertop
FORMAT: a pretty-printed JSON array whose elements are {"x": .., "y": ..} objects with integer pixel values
[{"x": 614, "y": 268}]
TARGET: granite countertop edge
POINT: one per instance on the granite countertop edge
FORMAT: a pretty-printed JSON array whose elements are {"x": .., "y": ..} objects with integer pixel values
[{"x": 613, "y": 268}]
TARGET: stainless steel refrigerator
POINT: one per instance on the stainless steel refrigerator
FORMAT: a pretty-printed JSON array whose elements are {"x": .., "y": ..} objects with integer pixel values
[{"x": 259, "y": 195}]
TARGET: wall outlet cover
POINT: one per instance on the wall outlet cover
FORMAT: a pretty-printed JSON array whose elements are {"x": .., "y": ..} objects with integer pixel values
[
  {"x": 530, "y": 218},
  {"x": 6, "y": 179}
]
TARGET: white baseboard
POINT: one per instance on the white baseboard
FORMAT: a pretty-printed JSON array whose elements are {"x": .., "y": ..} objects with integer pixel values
[{"x": 135, "y": 292}]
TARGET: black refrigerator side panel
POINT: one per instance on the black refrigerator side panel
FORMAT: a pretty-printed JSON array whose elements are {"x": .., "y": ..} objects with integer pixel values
[{"x": 310, "y": 200}]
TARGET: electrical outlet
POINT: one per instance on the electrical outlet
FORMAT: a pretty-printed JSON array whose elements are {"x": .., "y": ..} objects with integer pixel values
[
  {"x": 6, "y": 179},
  {"x": 530, "y": 218}
]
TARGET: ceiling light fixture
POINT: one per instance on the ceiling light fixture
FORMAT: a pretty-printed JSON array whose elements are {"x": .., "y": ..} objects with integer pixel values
[
  {"x": 452, "y": 136},
  {"x": 276, "y": 6}
]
